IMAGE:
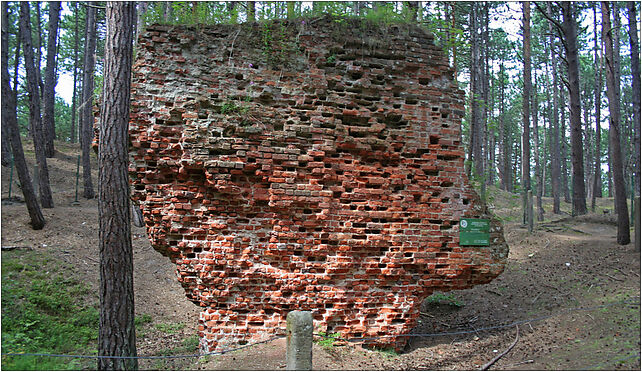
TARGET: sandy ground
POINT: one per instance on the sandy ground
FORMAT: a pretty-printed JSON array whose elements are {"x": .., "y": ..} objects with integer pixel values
[{"x": 574, "y": 292}]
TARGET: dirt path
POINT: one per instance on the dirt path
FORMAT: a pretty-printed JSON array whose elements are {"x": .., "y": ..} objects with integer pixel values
[{"x": 571, "y": 263}]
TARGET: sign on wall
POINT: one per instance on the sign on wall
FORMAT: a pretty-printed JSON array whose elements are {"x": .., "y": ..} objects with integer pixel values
[{"x": 474, "y": 231}]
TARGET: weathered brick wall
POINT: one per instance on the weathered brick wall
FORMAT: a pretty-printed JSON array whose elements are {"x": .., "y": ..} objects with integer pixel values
[{"x": 312, "y": 165}]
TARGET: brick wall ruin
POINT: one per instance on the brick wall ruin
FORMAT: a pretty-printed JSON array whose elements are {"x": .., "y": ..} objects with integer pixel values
[{"x": 304, "y": 165}]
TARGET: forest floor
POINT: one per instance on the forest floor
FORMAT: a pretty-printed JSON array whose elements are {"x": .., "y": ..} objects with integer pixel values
[{"x": 574, "y": 292}]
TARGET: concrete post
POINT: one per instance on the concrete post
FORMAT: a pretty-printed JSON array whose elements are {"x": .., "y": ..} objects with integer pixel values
[
  {"x": 298, "y": 352},
  {"x": 637, "y": 223}
]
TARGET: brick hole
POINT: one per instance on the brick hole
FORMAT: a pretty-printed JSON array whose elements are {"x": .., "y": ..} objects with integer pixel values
[
  {"x": 446, "y": 184},
  {"x": 414, "y": 220},
  {"x": 444, "y": 116},
  {"x": 408, "y": 254},
  {"x": 447, "y": 157},
  {"x": 441, "y": 266},
  {"x": 417, "y": 197},
  {"x": 434, "y": 140},
  {"x": 431, "y": 172},
  {"x": 466, "y": 201}
]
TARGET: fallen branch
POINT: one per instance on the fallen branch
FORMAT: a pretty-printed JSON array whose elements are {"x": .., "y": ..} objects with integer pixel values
[
  {"x": 495, "y": 359},
  {"x": 12, "y": 247},
  {"x": 524, "y": 362},
  {"x": 614, "y": 278}
]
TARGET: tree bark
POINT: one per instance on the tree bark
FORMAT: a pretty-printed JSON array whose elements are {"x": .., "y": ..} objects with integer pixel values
[
  {"x": 476, "y": 78},
  {"x": 41, "y": 84},
  {"x": 10, "y": 121},
  {"x": 46, "y": 199},
  {"x": 635, "y": 69},
  {"x": 569, "y": 28},
  {"x": 526, "y": 147},
  {"x": 597, "y": 172},
  {"x": 564, "y": 148},
  {"x": 117, "y": 334},
  {"x": 74, "y": 97},
  {"x": 48, "y": 94},
  {"x": 86, "y": 107},
  {"x": 538, "y": 170},
  {"x": 623, "y": 233},
  {"x": 555, "y": 136}
]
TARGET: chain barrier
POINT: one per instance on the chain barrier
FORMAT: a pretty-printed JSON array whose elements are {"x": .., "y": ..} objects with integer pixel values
[
  {"x": 491, "y": 328},
  {"x": 148, "y": 356},
  {"x": 351, "y": 340}
]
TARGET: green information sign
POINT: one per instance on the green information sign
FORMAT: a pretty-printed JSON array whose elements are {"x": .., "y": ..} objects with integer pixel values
[{"x": 474, "y": 231}]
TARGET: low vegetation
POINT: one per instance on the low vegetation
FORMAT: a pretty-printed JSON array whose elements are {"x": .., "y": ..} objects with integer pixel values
[{"x": 45, "y": 310}]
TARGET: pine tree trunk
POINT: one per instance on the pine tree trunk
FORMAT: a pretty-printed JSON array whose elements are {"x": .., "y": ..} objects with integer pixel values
[
  {"x": 10, "y": 121},
  {"x": 569, "y": 26},
  {"x": 538, "y": 169},
  {"x": 46, "y": 199},
  {"x": 86, "y": 107},
  {"x": 41, "y": 84},
  {"x": 623, "y": 233},
  {"x": 502, "y": 131},
  {"x": 48, "y": 117},
  {"x": 117, "y": 334},
  {"x": 555, "y": 135},
  {"x": 635, "y": 69},
  {"x": 597, "y": 171},
  {"x": 526, "y": 147},
  {"x": 74, "y": 97}
]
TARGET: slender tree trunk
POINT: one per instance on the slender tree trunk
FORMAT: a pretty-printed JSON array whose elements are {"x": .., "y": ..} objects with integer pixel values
[
  {"x": 251, "y": 11},
  {"x": 526, "y": 147},
  {"x": 476, "y": 78},
  {"x": 48, "y": 117},
  {"x": 635, "y": 69},
  {"x": 597, "y": 172},
  {"x": 569, "y": 26},
  {"x": 38, "y": 57},
  {"x": 46, "y": 199},
  {"x": 623, "y": 234},
  {"x": 538, "y": 169},
  {"x": 564, "y": 148},
  {"x": 86, "y": 108},
  {"x": 486, "y": 100},
  {"x": 555, "y": 135},
  {"x": 10, "y": 121},
  {"x": 74, "y": 96},
  {"x": 117, "y": 333}
]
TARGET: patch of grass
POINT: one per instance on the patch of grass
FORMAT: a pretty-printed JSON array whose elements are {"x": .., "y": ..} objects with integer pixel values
[
  {"x": 328, "y": 340},
  {"x": 169, "y": 328},
  {"x": 45, "y": 310},
  {"x": 389, "y": 353},
  {"x": 141, "y": 320},
  {"x": 444, "y": 299}
]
